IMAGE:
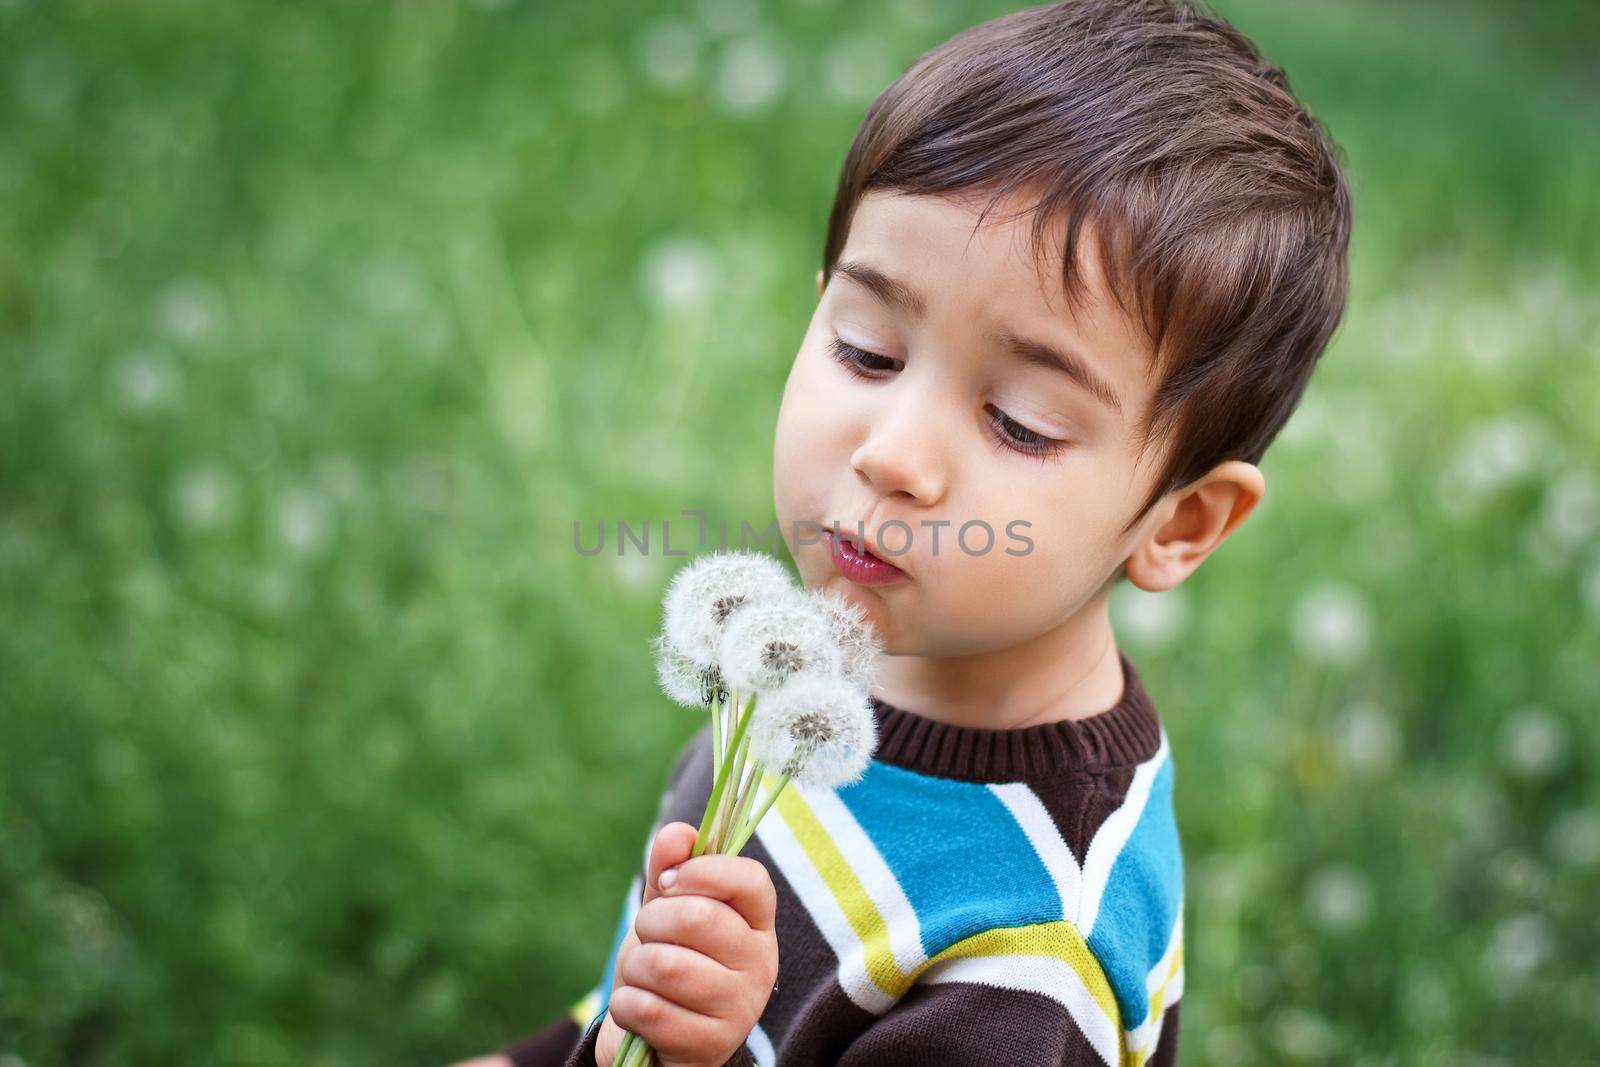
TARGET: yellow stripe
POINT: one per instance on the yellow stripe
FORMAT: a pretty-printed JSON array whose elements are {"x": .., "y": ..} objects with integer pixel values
[
  {"x": 584, "y": 1011},
  {"x": 862, "y": 914},
  {"x": 1058, "y": 939},
  {"x": 1158, "y": 1001}
]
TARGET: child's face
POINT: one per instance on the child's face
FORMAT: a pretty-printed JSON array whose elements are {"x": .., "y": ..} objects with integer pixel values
[{"x": 948, "y": 426}]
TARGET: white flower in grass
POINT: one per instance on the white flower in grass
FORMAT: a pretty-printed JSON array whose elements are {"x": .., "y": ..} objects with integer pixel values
[
  {"x": 703, "y": 595},
  {"x": 1516, "y": 948},
  {"x": 766, "y": 644},
  {"x": 1533, "y": 743},
  {"x": 860, "y": 650},
  {"x": 1332, "y": 624},
  {"x": 819, "y": 730}
]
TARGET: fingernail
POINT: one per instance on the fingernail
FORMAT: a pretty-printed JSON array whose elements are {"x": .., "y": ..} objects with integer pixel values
[{"x": 669, "y": 878}]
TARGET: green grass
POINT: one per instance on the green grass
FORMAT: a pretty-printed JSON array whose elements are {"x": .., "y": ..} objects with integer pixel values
[{"x": 321, "y": 323}]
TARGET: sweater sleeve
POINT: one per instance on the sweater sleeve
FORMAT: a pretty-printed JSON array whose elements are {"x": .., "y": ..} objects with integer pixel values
[
  {"x": 553, "y": 1045},
  {"x": 967, "y": 1024}
]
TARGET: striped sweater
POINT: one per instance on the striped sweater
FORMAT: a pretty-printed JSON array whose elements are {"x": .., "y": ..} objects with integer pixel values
[{"x": 980, "y": 896}]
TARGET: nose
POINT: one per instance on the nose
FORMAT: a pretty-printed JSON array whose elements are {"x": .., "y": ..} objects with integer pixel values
[{"x": 901, "y": 455}]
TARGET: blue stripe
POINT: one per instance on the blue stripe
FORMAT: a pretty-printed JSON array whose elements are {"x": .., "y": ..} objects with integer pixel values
[
  {"x": 616, "y": 947},
  {"x": 1140, "y": 905},
  {"x": 959, "y": 884}
]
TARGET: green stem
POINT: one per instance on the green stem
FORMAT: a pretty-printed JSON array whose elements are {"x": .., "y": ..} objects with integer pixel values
[
  {"x": 730, "y": 799},
  {"x": 633, "y": 1052},
  {"x": 716, "y": 734},
  {"x": 742, "y": 834},
  {"x": 747, "y": 798},
  {"x": 714, "y": 804}
]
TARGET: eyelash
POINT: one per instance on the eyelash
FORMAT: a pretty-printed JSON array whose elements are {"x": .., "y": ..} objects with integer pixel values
[{"x": 1004, "y": 428}]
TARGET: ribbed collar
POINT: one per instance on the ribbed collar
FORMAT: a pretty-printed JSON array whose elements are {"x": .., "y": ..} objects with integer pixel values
[{"x": 1126, "y": 734}]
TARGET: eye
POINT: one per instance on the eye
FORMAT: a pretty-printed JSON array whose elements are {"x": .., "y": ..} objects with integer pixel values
[
  {"x": 859, "y": 361},
  {"x": 1013, "y": 435}
]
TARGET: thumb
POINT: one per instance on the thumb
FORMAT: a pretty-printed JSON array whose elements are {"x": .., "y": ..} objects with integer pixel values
[{"x": 672, "y": 845}]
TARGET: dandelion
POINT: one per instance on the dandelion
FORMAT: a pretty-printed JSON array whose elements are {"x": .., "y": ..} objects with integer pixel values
[
  {"x": 703, "y": 595},
  {"x": 1153, "y": 619},
  {"x": 818, "y": 731},
  {"x": 1533, "y": 743},
  {"x": 752, "y": 75},
  {"x": 793, "y": 669},
  {"x": 1339, "y": 898},
  {"x": 860, "y": 650},
  {"x": 765, "y": 644},
  {"x": 1332, "y": 624},
  {"x": 678, "y": 271},
  {"x": 685, "y": 683},
  {"x": 1516, "y": 948}
]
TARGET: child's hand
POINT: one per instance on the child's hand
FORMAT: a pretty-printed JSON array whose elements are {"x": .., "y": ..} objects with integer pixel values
[{"x": 694, "y": 974}]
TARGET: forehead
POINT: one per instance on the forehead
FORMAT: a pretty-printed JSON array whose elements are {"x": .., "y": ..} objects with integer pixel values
[{"x": 986, "y": 277}]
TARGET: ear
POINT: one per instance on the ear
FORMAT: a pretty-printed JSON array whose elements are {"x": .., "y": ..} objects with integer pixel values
[
  {"x": 1192, "y": 523},
  {"x": 820, "y": 283}
]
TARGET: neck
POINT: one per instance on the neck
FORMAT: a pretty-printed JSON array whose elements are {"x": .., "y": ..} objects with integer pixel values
[{"x": 1070, "y": 672}]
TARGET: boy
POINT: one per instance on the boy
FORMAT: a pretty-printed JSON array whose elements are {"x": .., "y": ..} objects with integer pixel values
[{"x": 1082, "y": 261}]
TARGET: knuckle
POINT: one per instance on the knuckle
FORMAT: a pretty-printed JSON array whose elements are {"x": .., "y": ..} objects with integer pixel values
[
  {"x": 644, "y": 1010},
  {"x": 650, "y": 914},
  {"x": 667, "y": 967},
  {"x": 698, "y": 912}
]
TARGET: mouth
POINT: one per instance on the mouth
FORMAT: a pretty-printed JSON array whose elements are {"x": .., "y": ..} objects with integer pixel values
[{"x": 856, "y": 562}]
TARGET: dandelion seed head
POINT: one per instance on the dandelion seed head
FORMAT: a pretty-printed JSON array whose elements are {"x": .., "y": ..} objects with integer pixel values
[
  {"x": 819, "y": 730},
  {"x": 768, "y": 643},
  {"x": 1339, "y": 898},
  {"x": 1333, "y": 624},
  {"x": 724, "y": 606},
  {"x": 752, "y": 75},
  {"x": 1533, "y": 743},
  {"x": 680, "y": 679},
  {"x": 1516, "y": 948},
  {"x": 703, "y": 596},
  {"x": 860, "y": 650}
]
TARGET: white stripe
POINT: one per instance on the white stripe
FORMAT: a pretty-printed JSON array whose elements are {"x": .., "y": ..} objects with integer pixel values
[
  {"x": 1049, "y": 975},
  {"x": 635, "y": 897},
  {"x": 1112, "y": 835},
  {"x": 1143, "y": 1037},
  {"x": 824, "y": 910},
  {"x": 1158, "y": 973},
  {"x": 1030, "y": 813},
  {"x": 868, "y": 865},
  {"x": 761, "y": 1047}
]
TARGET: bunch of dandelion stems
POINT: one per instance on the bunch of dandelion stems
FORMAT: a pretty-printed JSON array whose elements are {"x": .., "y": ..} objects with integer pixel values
[{"x": 727, "y": 823}]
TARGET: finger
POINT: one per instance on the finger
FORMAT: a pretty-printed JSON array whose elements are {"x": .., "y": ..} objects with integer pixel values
[
  {"x": 688, "y": 978},
  {"x": 744, "y": 884},
  {"x": 701, "y": 923},
  {"x": 630, "y": 941},
  {"x": 672, "y": 845},
  {"x": 671, "y": 1030},
  {"x": 608, "y": 1041}
]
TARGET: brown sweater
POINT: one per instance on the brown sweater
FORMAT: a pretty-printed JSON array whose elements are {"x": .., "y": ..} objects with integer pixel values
[{"x": 979, "y": 897}]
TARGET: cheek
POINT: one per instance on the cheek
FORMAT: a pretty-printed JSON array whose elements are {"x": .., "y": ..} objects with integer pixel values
[
  {"x": 1004, "y": 597},
  {"x": 799, "y": 442}
]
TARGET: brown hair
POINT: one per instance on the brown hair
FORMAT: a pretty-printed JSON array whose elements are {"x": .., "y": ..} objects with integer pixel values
[{"x": 1223, "y": 213}]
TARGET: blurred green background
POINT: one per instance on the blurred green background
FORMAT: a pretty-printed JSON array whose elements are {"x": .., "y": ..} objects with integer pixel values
[{"x": 320, "y": 324}]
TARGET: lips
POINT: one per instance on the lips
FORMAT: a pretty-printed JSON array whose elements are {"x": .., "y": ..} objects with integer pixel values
[{"x": 858, "y": 562}]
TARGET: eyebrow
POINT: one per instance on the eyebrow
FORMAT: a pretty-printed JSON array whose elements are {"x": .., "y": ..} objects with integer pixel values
[
  {"x": 1063, "y": 360},
  {"x": 897, "y": 294},
  {"x": 894, "y": 293}
]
